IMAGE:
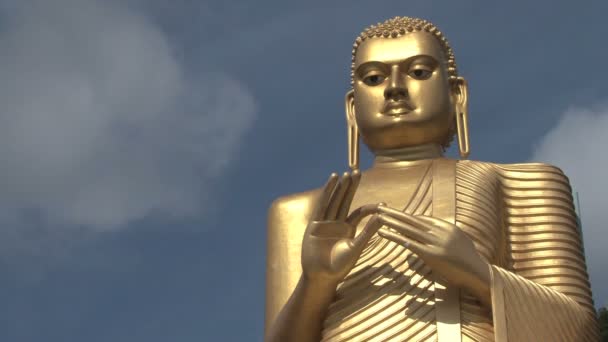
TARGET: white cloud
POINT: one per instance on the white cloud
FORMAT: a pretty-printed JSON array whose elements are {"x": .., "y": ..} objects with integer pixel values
[
  {"x": 577, "y": 144},
  {"x": 100, "y": 123}
]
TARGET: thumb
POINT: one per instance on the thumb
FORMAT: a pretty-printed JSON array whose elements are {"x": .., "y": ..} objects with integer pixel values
[{"x": 368, "y": 231}]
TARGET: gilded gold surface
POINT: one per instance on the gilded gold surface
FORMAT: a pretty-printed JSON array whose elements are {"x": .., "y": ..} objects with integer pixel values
[{"x": 420, "y": 247}]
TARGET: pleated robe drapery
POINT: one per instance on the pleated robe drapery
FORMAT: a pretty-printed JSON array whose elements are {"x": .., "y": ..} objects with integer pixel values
[{"x": 521, "y": 220}]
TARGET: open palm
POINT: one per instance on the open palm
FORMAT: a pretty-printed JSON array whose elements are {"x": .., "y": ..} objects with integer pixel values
[{"x": 330, "y": 248}]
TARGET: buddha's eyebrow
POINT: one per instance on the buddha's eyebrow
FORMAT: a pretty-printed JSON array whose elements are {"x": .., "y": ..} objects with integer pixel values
[
  {"x": 423, "y": 59},
  {"x": 371, "y": 65},
  {"x": 385, "y": 66}
]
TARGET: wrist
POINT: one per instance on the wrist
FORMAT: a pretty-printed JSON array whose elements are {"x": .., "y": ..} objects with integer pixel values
[
  {"x": 319, "y": 285},
  {"x": 480, "y": 283},
  {"x": 318, "y": 293}
]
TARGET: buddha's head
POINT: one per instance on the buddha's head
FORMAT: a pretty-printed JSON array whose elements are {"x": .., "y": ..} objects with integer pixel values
[{"x": 405, "y": 87}]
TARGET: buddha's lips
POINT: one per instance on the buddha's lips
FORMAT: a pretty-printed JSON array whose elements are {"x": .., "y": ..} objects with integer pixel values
[{"x": 397, "y": 108}]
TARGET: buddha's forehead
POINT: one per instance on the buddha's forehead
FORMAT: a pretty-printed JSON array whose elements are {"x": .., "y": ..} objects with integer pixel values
[{"x": 389, "y": 50}]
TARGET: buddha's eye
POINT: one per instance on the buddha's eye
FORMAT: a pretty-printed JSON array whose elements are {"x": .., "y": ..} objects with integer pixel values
[
  {"x": 420, "y": 73},
  {"x": 373, "y": 80}
]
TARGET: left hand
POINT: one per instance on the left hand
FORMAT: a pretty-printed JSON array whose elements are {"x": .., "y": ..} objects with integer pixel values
[{"x": 443, "y": 246}]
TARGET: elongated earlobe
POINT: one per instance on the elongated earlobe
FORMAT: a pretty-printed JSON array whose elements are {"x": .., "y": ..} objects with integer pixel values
[
  {"x": 462, "y": 117},
  {"x": 353, "y": 132}
]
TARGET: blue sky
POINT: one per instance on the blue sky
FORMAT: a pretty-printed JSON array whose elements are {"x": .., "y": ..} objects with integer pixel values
[{"x": 143, "y": 141}]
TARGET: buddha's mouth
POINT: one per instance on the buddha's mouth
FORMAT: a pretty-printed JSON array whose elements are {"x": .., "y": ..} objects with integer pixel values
[{"x": 395, "y": 108}]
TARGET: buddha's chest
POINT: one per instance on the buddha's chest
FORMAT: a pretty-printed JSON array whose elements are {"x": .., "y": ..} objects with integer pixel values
[
  {"x": 390, "y": 292},
  {"x": 476, "y": 199},
  {"x": 394, "y": 187}
]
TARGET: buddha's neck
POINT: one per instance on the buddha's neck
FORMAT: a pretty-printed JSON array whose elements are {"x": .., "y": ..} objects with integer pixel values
[{"x": 405, "y": 155}]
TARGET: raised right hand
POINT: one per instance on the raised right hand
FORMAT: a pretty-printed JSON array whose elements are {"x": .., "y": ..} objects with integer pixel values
[{"x": 330, "y": 248}]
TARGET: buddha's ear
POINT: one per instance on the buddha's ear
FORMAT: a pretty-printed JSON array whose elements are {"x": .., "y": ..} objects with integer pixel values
[
  {"x": 461, "y": 94},
  {"x": 353, "y": 132},
  {"x": 349, "y": 102},
  {"x": 461, "y": 99}
]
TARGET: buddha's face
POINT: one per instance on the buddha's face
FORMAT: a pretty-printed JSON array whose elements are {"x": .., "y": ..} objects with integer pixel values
[{"x": 401, "y": 95}]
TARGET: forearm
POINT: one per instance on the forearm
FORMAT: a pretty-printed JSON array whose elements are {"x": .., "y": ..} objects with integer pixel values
[{"x": 301, "y": 318}]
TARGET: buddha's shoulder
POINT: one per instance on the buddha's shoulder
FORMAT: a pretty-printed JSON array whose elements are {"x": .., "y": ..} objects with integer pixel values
[
  {"x": 297, "y": 205},
  {"x": 516, "y": 171}
]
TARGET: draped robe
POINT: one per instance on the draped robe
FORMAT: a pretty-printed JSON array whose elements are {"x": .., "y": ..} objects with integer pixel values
[{"x": 521, "y": 220}]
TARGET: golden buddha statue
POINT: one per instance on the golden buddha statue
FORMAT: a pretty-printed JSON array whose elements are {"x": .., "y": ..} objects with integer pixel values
[{"x": 421, "y": 247}]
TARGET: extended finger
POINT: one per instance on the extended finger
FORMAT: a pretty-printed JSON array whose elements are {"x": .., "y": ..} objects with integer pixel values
[
  {"x": 413, "y": 221},
  {"x": 337, "y": 197},
  {"x": 406, "y": 229},
  {"x": 414, "y": 246},
  {"x": 360, "y": 213},
  {"x": 349, "y": 195},
  {"x": 323, "y": 201},
  {"x": 435, "y": 222}
]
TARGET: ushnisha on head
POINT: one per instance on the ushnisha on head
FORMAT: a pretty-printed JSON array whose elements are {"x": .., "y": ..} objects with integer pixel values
[{"x": 406, "y": 91}]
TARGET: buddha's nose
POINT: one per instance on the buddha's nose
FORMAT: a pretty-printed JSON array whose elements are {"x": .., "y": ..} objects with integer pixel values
[{"x": 396, "y": 89}]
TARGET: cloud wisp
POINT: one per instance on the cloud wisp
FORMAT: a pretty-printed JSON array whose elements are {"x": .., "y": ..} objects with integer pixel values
[
  {"x": 577, "y": 144},
  {"x": 101, "y": 124}
]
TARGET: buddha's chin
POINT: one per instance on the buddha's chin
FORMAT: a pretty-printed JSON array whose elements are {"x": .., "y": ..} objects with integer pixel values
[
  {"x": 392, "y": 143},
  {"x": 403, "y": 123},
  {"x": 405, "y": 133}
]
